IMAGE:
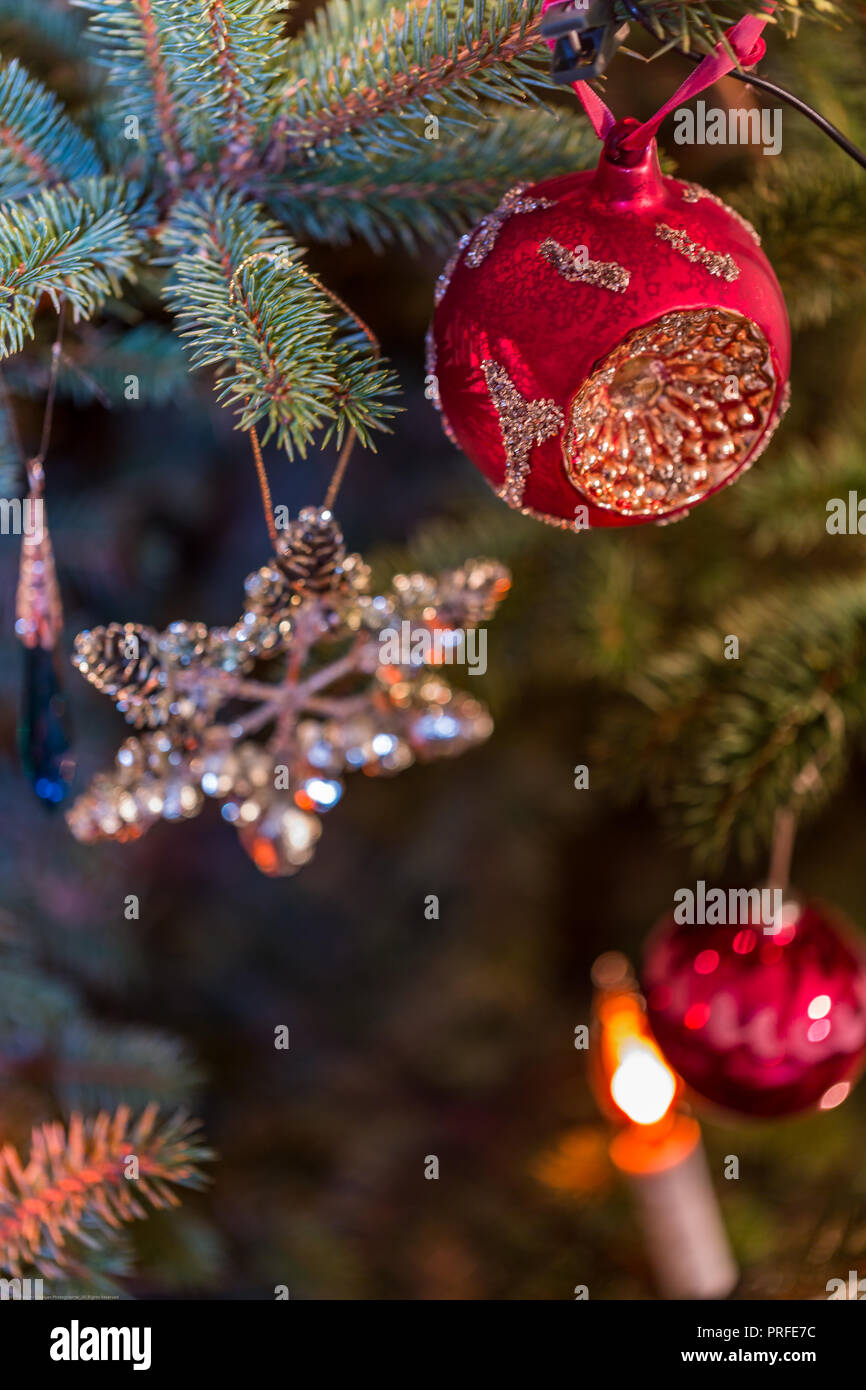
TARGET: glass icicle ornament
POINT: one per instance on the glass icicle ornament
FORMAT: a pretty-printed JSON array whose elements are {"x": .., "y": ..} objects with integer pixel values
[
  {"x": 44, "y": 729},
  {"x": 44, "y": 737},
  {"x": 268, "y": 715}
]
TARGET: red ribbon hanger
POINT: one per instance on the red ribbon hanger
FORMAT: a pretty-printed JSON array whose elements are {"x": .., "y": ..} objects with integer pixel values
[{"x": 743, "y": 47}]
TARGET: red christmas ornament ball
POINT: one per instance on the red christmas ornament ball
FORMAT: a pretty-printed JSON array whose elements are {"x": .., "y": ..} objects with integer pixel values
[
  {"x": 610, "y": 347},
  {"x": 762, "y": 1024}
]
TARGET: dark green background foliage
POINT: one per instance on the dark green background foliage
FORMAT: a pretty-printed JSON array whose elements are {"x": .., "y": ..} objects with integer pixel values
[{"x": 452, "y": 1037}]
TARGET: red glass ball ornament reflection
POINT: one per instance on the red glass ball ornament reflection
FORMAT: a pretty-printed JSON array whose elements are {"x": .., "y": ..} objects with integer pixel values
[
  {"x": 610, "y": 347},
  {"x": 765, "y": 1025}
]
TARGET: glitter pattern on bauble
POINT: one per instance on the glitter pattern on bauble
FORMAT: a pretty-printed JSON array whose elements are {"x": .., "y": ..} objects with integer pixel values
[
  {"x": 761, "y": 1023},
  {"x": 637, "y": 310}
]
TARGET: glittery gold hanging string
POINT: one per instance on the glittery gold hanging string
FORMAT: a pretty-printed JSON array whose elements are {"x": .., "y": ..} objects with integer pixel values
[
  {"x": 346, "y": 451},
  {"x": 264, "y": 486},
  {"x": 340, "y": 470}
]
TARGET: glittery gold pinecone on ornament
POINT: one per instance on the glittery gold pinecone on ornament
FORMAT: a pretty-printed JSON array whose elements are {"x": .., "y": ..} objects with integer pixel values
[
  {"x": 341, "y": 701},
  {"x": 310, "y": 552},
  {"x": 124, "y": 660}
]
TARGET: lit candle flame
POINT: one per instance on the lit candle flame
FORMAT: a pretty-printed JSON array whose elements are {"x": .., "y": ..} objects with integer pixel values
[{"x": 641, "y": 1084}]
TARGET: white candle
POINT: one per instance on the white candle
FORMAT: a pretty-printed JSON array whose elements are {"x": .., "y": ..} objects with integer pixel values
[
  {"x": 669, "y": 1178},
  {"x": 657, "y": 1148}
]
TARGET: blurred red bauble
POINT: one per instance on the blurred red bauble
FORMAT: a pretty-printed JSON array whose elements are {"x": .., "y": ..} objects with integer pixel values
[
  {"x": 610, "y": 347},
  {"x": 765, "y": 1025}
]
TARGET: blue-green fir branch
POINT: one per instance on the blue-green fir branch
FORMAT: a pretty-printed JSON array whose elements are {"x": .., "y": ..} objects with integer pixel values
[
  {"x": 356, "y": 65},
  {"x": 135, "y": 41},
  {"x": 824, "y": 272},
  {"x": 39, "y": 144},
  {"x": 115, "y": 367},
  {"x": 11, "y": 453},
  {"x": 718, "y": 744},
  {"x": 49, "y": 1214},
  {"x": 47, "y": 1038},
  {"x": 284, "y": 357},
  {"x": 789, "y": 509},
  {"x": 432, "y": 191},
  {"x": 698, "y": 27},
  {"x": 226, "y": 59},
  {"x": 75, "y": 243}
]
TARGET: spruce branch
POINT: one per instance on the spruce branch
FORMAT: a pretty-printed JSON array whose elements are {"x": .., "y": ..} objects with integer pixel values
[
  {"x": 699, "y": 27},
  {"x": 357, "y": 68},
  {"x": 73, "y": 1188},
  {"x": 33, "y": 1000},
  {"x": 97, "y": 365},
  {"x": 74, "y": 243},
  {"x": 246, "y": 306},
  {"x": 430, "y": 191},
  {"x": 720, "y": 745},
  {"x": 227, "y": 55},
  {"x": 11, "y": 452},
  {"x": 235, "y": 89},
  {"x": 39, "y": 145},
  {"x": 135, "y": 39},
  {"x": 97, "y": 1270},
  {"x": 96, "y": 1067},
  {"x": 822, "y": 269},
  {"x": 784, "y": 509},
  {"x": 47, "y": 1040},
  {"x": 354, "y": 66}
]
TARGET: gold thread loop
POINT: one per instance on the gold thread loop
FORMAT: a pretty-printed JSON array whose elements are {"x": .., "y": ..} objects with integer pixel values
[
  {"x": 346, "y": 452},
  {"x": 282, "y": 258},
  {"x": 264, "y": 486}
]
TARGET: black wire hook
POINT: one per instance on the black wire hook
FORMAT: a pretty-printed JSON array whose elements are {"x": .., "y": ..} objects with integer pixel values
[{"x": 763, "y": 85}]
